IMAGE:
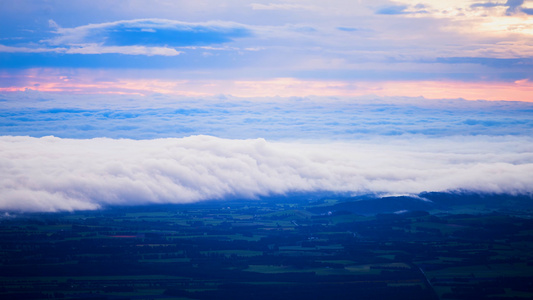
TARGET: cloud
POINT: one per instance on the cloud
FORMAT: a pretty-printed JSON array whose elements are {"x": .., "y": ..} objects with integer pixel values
[
  {"x": 53, "y": 174},
  {"x": 151, "y": 32},
  {"x": 486, "y": 4},
  {"x": 155, "y": 75},
  {"x": 95, "y": 49},
  {"x": 130, "y": 50},
  {"x": 513, "y": 7},
  {"x": 276, "y": 118},
  {"x": 348, "y": 29},
  {"x": 392, "y": 10},
  {"x": 148, "y": 37},
  {"x": 403, "y": 9},
  {"x": 524, "y": 63},
  {"x": 10, "y": 49}
]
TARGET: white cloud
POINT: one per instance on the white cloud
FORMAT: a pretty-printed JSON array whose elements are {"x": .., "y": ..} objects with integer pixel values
[
  {"x": 51, "y": 174},
  {"x": 130, "y": 50},
  {"x": 11, "y": 49}
]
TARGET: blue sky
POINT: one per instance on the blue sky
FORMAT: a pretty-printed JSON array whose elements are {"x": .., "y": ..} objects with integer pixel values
[{"x": 135, "y": 102}]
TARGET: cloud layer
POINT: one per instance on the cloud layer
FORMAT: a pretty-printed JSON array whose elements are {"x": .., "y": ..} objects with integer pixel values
[
  {"x": 53, "y": 174},
  {"x": 164, "y": 149},
  {"x": 160, "y": 116}
]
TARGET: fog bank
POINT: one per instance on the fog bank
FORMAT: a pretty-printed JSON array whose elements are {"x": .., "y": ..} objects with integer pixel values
[{"x": 55, "y": 174}]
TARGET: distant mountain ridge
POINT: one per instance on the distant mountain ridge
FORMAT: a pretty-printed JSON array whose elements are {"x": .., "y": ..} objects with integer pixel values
[{"x": 431, "y": 201}]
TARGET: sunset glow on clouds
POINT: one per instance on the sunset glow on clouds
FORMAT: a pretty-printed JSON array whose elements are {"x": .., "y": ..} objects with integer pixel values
[{"x": 521, "y": 90}]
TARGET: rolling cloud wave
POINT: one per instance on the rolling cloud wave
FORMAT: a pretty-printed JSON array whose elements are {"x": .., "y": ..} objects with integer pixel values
[{"x": 54, "y": 174}]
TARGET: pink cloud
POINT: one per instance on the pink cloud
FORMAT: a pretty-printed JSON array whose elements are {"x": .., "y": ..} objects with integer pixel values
[{"x": 87, "y": 82}]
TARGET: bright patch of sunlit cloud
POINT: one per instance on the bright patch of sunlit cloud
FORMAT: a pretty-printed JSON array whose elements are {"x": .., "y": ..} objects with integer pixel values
[
  {"x": 486, "y": 17},
  {"x": 521, "y": 24}
]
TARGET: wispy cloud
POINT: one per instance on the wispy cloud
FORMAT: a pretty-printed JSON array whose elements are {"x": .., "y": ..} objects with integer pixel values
[
  {"x": 11, "y": 49},
  {"x": 130, "y": 50}
]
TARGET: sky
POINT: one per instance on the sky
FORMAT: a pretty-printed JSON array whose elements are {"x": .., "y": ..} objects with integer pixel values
[
  {"x": 135, "y": 102},
  {"x": 435, "y": 49}
]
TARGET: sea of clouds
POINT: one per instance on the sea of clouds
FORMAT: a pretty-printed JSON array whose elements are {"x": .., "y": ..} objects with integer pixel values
[
  {"x": 311, "y": 118},
  {"x": 136, "y": 153},
  {"x": 53, "y": 174}
]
